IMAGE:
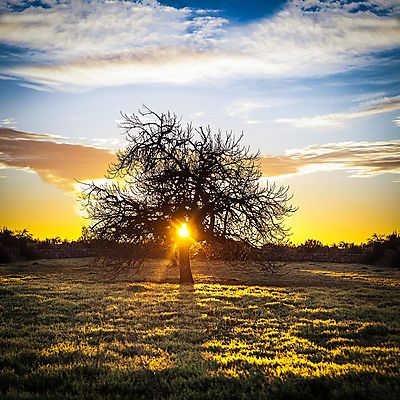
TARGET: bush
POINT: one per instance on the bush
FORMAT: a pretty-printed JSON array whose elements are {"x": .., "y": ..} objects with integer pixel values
[
  {"x": 16, "y": 244},
  {"x": 383, "y": 250},
  {"x": 373, "y": 255},
  {"x": 5, "y": 256},
  {"x": 28, "y": 251},
  {"x": 394, "y": 259}
]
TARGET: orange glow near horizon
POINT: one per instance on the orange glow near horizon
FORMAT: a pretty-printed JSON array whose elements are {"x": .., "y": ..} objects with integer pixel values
[{"x": 332, "y": 207}]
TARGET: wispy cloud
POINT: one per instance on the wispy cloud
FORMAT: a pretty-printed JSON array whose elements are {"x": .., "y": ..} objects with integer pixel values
[
  {"x": 8, "y": 122},
  {"x": 107, "y": 142},
  {"x": 77, "y": 44},
  {"x": 360, "y": 158},
  {"x": 366, "y": 109},
  {"x": 56, "y": 163},
  {"x": 245, "y": 110},
  {"x": 61, "y": 163},
  {"x": 197, "y": 114},
  {"x": 40, "y": 88}
]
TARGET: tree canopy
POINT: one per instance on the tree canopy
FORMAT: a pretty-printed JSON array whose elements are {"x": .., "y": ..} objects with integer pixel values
[{"x": 170, "y": 174}]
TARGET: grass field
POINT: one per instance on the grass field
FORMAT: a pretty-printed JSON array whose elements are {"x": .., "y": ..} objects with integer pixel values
[{"x": 320, "y": 331}]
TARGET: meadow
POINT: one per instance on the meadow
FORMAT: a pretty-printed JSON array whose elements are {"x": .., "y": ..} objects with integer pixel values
[{"x": 321, "y": 330}]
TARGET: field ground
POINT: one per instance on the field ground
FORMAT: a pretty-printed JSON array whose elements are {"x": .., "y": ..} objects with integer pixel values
[{"x": 325, "y": 331}]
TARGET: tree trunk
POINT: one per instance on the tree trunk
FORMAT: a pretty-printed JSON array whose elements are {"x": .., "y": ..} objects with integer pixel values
[{"x": 185, "y": 272}]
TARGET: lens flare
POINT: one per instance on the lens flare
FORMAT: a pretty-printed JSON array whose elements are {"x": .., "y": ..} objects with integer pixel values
[{"x": 183, "y": 231}]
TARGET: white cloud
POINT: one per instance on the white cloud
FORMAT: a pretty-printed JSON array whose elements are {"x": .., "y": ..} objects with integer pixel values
[
  {"x": 245, "y": 108},
  {"x": 196, "y": 115},
  {"x": 8, "y": 123},
  {"x": 253, "y": 121},
  {"x": 396, "y": 121},
  {"x": 366, "y": 109},
  {"x": 76, "y": 44},
  {"x": 105, "y": 143},
  {"x": 362, "y": 159},
  {"x": 40, "y": 88}
]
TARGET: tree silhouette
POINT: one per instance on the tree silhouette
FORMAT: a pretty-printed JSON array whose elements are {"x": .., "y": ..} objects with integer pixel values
[{"x": 169, "y": 175}]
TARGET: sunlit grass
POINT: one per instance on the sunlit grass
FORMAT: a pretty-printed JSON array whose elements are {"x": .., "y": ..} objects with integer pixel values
[
  {"x": 357, "y": 276},
  {"x": 68, "y": 336}
]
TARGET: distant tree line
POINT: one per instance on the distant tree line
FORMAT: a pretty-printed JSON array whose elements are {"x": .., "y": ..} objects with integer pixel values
[
  {"x": 383, "y": 250},
  {"x": 16, "y": 245}
]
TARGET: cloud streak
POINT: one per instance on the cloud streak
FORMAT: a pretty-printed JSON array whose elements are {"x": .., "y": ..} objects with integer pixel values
[
  {"x": 75, "y": 45},
  {"x": 62, "y": 164},
  {"x": 8, "y": 122},
  {"x": 362, "y": 159},
  {"x": 367, "y": 109},
  {"x": 56, "y": 163},
  {"x": 244, "y": 110}
]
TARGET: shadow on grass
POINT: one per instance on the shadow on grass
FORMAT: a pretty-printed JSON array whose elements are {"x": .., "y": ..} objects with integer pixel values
[
  {"x": 178, "y": 383},
  {"x": 160, "y": 341}
]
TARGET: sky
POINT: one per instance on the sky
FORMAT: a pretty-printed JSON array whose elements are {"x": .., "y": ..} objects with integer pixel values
[{"x": 314, "y": 86}]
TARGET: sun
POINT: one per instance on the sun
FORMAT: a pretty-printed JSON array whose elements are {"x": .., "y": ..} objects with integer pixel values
[{"x": 183, "y": 231}]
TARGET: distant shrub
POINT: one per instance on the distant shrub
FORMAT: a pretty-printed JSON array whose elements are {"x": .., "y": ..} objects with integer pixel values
[
  {"x": 372, "y": 255},
  {"x": 383, "y": 250},
  {"x": 311, "y": 246},
  {"x": 5, "y": 256},
  {"x": 28, "y": 251},
  {"x": 9, "y": 238},
  {"x": 16, "y": 244},
  {"x": 394, "y": 259}
]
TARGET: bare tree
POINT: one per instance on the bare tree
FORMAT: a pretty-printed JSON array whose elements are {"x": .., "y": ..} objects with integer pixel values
[{"x": 172, "y": 179}]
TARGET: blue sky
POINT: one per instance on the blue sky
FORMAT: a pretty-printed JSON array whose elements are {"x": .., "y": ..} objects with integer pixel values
[
  {"x": 237, "y": 11},
  {"x": 314, "y": 85}
]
